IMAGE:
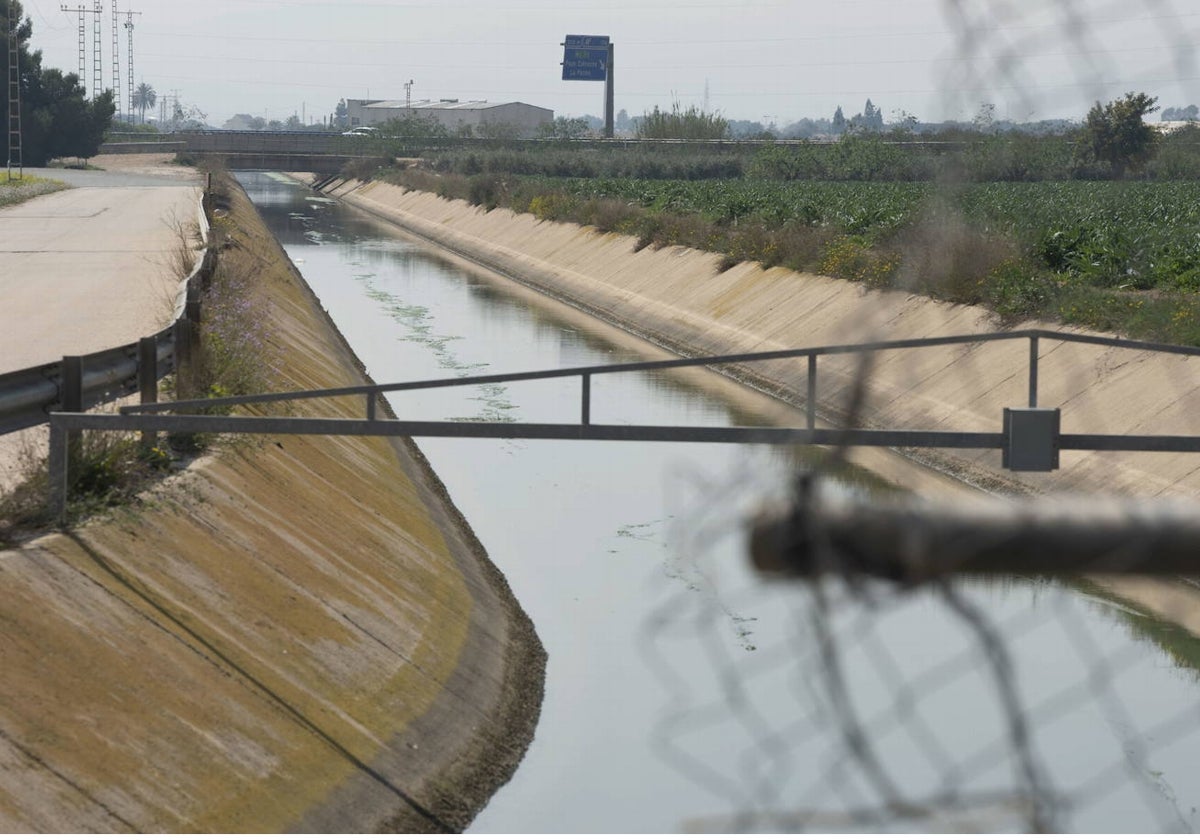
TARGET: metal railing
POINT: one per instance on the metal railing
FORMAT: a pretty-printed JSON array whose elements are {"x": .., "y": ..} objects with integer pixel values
[{"x": 1044, "y": 441}]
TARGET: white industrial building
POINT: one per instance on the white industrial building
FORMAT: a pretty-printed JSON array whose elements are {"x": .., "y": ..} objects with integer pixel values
[{"x": 454, "y": 115}]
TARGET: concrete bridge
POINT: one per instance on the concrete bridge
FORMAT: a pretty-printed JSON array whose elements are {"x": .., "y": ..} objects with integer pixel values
[
  {"x": 327, "y": 152},
  {"x": 289, "y": 151}
]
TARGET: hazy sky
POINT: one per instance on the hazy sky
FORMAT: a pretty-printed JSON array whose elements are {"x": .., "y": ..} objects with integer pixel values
[{"x": 770, "y": 60}]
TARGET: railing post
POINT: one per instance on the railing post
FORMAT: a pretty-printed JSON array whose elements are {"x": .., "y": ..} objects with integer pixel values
[
  {"x": 58, "y": 467},
  {"x": 372, "y": 400},
  {"x": 812, "y": 391},
  {"x": 1033, "y": 371},
  {"x": 148, "y": 382},
  {"x": 586, "y": 418}
]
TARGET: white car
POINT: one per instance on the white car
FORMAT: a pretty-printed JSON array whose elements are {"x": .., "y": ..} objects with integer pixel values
[{"x": 361, "y": 131}]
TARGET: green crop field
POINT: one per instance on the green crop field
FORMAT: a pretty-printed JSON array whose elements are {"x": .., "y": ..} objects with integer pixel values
[
  {"x": 1139, "y": 235},
  {"x": 1112, "y": 255}
]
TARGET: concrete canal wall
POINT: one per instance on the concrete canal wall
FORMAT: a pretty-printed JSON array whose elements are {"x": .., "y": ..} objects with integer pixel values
[
  {"x": 294, "y": 634},
  {"x": 679, "y": 298}
]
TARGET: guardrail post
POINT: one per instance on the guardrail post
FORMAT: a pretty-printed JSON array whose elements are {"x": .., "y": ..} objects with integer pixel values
[
  {"x": 71, "y": 400},
  {"x": 186, "y": 335},
  {"x": 812, "y": 391},
  {"x": 148, "y": 382},
  {"x": 1033, "y": 371},
  {"x": 59, "y": 465}
]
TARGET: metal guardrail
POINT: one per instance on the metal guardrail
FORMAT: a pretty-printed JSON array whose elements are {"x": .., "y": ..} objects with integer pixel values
[{"x": 28, "y": 396}]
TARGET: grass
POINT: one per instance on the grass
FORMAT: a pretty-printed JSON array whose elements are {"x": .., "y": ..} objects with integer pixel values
[
  {"x": 1114, "y": 256},
  {"x": 23, "y": 188}
]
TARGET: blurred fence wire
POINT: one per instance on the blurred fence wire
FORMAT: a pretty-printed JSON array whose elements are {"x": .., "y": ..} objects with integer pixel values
[
  {"x": 894, "y": 684},
  {"x": 997, "y": 703}
]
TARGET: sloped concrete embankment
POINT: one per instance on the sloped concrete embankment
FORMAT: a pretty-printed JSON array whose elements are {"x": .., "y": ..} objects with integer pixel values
[
  {"x": 295, "y": 634},
  {"x": 679, "y": 298}
]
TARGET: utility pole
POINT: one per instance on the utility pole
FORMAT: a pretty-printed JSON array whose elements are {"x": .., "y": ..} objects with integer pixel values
[
  {"x": 129, "y": 28},
  {"x": 408, "y": 86},
  {"x": 14, "y": 97}
]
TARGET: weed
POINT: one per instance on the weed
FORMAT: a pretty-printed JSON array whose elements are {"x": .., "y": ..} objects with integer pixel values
[
  {"x": 25, "y": 187},
  {"x": 108, "y": 469}
]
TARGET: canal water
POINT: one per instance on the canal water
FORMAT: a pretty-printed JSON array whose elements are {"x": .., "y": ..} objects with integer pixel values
[{"x": 685, "y": 693}]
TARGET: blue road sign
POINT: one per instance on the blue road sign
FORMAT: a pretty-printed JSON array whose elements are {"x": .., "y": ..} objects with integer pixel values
[
  {"x": 594, "y": 42},
  {"x": 585, "y": 58}
]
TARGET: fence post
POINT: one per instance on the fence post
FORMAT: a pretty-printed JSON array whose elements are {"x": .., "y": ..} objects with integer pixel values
[{"x": 148, "y": 382}]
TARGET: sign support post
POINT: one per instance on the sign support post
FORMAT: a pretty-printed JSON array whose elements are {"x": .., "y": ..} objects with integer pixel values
[{"x": 608, "y": 94}]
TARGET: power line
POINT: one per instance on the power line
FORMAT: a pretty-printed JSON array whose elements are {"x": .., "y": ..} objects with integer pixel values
[
  {"x": 957, "y": 59},
  {"x": 840, "y": 34}
]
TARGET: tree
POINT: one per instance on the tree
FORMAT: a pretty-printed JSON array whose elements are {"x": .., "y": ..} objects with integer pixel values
[
  {"x": 1189, "y": 114},
  {"x": 244, "y": 122},
  {"x": 144, "y": 97},
  {"x": 57, "y": 119},
  {"x": 341, "y": 114},
  {"x": 1118, "y": 135},
  {"x": 839, "y": 121},
  {"x": 903, "y": 123},
  {"x": 985, "y": 118}
]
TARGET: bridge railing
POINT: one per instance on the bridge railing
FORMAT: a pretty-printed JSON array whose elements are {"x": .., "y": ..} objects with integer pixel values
[
  {"x": 812, "y": 354},
  {"x": 1029, "y": 438}
]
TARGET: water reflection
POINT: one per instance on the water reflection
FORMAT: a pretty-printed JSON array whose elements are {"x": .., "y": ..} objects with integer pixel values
[{"x": 684, "y": 692}]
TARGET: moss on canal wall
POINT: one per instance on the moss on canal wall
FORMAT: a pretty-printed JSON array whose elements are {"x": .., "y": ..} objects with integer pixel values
[{"x": 295, "y": 634}]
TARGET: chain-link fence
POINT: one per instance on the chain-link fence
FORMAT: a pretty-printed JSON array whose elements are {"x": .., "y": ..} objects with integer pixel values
[{"x": 943, "y": 666}]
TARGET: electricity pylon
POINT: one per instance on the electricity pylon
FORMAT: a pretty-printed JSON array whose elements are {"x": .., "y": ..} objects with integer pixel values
[
  {"x": 14, "y": 98},
  {"x": 129, "y": 28},
  {"x": 82, "y": 10}
]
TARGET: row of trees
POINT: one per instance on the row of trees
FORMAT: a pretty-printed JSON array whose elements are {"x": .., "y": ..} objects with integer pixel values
[{"x": 57, "y": 118}]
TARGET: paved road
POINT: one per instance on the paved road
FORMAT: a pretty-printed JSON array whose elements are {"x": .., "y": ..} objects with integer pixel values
[{"x": 90, "y": 267}]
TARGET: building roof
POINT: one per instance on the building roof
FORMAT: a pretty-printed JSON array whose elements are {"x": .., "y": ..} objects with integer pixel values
[{"x": 438, "y": 105}]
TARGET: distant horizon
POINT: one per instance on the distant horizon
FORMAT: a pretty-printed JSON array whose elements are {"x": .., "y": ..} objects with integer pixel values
[{"x": 761, "y": 61}]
